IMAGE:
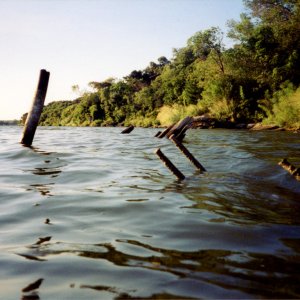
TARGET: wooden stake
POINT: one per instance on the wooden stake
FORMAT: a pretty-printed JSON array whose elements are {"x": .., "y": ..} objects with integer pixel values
[
  {"x": 162, "y": 134},
  {"x": 157, "y": 134},
  {"x": 127, "y": 130},
  {"x": 187, "y": 154},
  {"x": 34, "y": 115},
  {"x": 169, "y": 165}
]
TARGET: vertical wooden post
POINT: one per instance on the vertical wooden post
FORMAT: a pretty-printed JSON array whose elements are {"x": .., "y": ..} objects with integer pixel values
[
  {"x": 187, "y": 153},
  {"x": 34, "y": 115},
  {"x": 169, "y": 165}
]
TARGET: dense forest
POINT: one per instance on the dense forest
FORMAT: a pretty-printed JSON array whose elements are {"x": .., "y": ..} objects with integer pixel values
[{"x": 256, "y": 80}]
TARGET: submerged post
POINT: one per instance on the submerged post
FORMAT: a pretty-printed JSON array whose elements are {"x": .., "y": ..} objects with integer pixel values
[
  {"x": 290, "y": 168},
  {"x": 169, "y": 165},
  {"x": 35, "y": 112},
  {"x": 128, "y": 129},
  {"x": 187, "y": 154}
]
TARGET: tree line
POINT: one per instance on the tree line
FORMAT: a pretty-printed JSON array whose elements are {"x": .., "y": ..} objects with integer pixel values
[{"x": 257, "y": 79}]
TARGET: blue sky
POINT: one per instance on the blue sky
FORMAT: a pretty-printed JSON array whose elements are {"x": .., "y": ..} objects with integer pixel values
[{"x": 80, "y": 41}]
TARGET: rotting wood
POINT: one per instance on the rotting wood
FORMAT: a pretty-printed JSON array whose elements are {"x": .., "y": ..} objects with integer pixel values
[
  {"x": 157, "y": 134},
  {"x": 187, "y": 153},
  {"x": 290, "y": 168},
  {"x": 34, "y": 115},
  {"x": 181, "y": 135},
  {"x": 169, "y": 165},
  {"x": 180, "y": 128},
  {"x": 163, "y": 134},
  {"x": 128, "y": 129}
]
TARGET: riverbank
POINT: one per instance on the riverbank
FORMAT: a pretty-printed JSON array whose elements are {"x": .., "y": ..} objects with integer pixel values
[
  {"x": 9, "y": 122},
  {"x": 207, "y": 122}
]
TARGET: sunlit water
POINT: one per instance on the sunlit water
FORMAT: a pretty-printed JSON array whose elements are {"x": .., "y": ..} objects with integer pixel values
[{"x": 121, "y": 226}]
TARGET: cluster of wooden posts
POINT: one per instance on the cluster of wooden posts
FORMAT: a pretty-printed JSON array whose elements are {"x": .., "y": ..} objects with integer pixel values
[{"x": 175, "y": 132}]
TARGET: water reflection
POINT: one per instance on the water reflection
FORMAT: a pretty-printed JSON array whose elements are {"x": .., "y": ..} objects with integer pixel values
[
  {"x": 32, "y": 296},
  {"x": 46, "y": 171},
  {"x": 101, "y": 288},
  {"x": 43, "y": 189},
  {"x": 43, "y": 240},
  {"x": 153, "y": 296},
  {"x": 253, "y": 273},
  {"x": 48, "y": 168},
  {"x": 122, "y": 294},
  {"x": 29, "y": 292},
  {"x": 38, "y": 150},
  {"x": 238, "y": 199}
]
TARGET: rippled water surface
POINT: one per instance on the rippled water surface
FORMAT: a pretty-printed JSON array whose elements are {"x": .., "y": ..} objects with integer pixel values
[{"x": 88, "y": 213}]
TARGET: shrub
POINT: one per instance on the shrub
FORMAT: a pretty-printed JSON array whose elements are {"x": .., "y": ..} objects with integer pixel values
[
  {"x": 222, "y": 109},
  {"x": 286, "y": 109},
  {"x": 170, "y": 114}
]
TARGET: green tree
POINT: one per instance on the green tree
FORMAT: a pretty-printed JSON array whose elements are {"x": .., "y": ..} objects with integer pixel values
[{"x": 208, "y": 42}]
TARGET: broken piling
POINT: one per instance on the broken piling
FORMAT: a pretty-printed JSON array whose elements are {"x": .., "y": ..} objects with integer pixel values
[{"x": 34, "y": 114}]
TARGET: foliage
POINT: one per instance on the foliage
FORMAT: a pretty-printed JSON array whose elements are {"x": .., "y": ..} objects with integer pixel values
[
  {"x": 223, "y": 110},
  {"x": 170, "y": 114},
  {"x": 52, "y": 113},
  {"x": 286, "y": 109},
  {"x": 243, "y": 83}
]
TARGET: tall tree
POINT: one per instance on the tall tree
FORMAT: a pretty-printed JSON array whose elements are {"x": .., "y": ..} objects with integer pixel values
[{"x": 208, "y": 42}]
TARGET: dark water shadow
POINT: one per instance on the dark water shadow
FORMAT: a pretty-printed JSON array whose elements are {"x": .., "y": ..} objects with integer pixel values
[
  {"x": 122, "y": 294},
  {"x": 43, "y": 189},
  {"x": 29, "y": 292},
  {"x": 50, "y": 167},
  {"x": 46, "y": 171},
  {"x": 38, "y": 150},
  {"x": 239, "y": 198},
  {"x": 259, "y": 274},
  {"x": 32, "y": 296}
]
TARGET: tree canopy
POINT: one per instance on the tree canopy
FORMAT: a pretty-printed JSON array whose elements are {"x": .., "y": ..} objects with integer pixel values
[{"x": 241, "y": 83}]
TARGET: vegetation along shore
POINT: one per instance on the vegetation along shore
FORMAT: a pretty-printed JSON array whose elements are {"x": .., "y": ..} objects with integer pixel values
[{"x": 257, "y": 80}]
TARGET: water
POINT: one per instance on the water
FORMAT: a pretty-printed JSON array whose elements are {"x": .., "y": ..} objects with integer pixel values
[{"x": 121, "y": 226}]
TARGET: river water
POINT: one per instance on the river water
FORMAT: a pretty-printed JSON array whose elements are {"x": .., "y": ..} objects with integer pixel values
[{"x": 88, "y": 213}]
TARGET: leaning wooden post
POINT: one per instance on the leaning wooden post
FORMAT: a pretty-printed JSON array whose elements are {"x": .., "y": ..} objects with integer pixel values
[
  {"x": 290, "y": 168},
  {"x": 162, "y": 134},
  {"x": 157, "y": 134},
  {"x": 34, "y": 115},
  {"x": 187, "y": 153},
  {"x": 169, "y": 165},
  {"x": 127, "y": 130},
  {"x": 181, "y": 127}
]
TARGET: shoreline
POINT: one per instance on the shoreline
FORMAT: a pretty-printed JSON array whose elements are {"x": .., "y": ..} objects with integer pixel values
[
  {"x": 198, "y": 123},
  {"x": 205, "y": 122}
]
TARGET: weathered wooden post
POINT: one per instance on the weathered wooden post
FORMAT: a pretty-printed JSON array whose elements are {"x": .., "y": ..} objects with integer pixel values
[
  {"x": 187, "y": 153},
  {"x": 169, "y": 165},
  {"x": 128, "y": 129},
  {"x": 157, "y": 134},
  {"x": 34, "y": 114},
  {"x": 290, "y": 168},
  {"x": 163, "y": 134},
  {"x": 178, "y": 129}
]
